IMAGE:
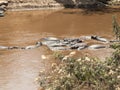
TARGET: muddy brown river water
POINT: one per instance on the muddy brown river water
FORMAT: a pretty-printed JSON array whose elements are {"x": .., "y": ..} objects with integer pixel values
[{"x": 19, "y": 68}]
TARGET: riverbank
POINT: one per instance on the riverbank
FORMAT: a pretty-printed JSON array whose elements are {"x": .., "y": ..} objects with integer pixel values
[
  {"x": 16, "y": 5},
  {"x": 35, "y": 4}
]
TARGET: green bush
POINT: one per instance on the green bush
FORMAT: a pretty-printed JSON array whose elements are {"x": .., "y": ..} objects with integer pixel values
[{"x": 115, "y": 46}]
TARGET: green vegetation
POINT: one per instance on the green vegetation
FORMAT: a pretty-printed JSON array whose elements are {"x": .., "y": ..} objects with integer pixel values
[{"x": 116, "y": 28}]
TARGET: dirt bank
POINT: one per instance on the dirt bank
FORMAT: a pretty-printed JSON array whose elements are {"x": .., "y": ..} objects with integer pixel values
[{"x": 35, "y": 4}]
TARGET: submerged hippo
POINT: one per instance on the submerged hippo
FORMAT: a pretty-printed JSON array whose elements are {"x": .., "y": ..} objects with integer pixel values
[
  {"x": 71, "y": 40},
  {"x": 99, "y": 39},
  {"x": 47, "y": 43},
  {"x": 112, "y": 41},
  {"x": 78, "y": 45},
  {"x": 58, "y": 48},
  {"x": 14, "y": 47},
  {"x": 38, "y": 44},
  {"x": 50, "y": 39},
  {"x": 56, "y": 44},
  {"x": 97, "y": 46},
  {"x": 4, "y": 2},
  {"x": 1, "y": 12},
  {"x": 85, "y": 37}
]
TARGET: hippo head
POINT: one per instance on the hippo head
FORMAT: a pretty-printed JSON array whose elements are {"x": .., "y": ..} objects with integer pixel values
[{"x": 38, "y": 43}]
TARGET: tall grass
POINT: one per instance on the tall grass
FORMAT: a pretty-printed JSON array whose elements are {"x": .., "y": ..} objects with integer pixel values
[{"x": 116, "y": 28}]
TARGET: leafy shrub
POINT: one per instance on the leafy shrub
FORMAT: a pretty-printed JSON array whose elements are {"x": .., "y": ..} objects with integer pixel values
[{"x": 115, "y": 46}]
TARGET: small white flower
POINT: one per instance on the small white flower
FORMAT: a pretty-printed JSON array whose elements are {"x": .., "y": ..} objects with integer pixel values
[
  {"x": 109, "y": 67},
  {"x": 68, "y": 75},
  {"x": 42, "y": 71},
  {"x": 87, "y": 58},
  {"x": 111, "y": 72},
  {"x": 118, "y": 77},
  {"x": 43, "y": 57},
  {"x": 79, "y": 59},
  {"x": 118, "y": 88},
  {"x": 54, "y": 64},
  {"x": 37, "y": 79},
  {"x": 60, "y": 71},
  {"x": 72, "y": 53},
  {"x": 65, "y": 58}
]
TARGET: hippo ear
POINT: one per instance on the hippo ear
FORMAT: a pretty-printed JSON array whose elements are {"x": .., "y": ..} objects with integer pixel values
[
  {"x": 93, "y": 36},
  {"x": 38, "y": 42}
]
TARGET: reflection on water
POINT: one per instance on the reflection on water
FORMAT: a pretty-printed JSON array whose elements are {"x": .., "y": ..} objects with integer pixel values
[{"x": 18, "y": 68}]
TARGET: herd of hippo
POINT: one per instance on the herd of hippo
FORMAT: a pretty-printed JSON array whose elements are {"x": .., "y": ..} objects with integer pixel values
[{"x": 56, "y": 44}]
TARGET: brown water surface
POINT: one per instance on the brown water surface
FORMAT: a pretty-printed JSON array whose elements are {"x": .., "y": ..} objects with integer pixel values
[{"x": 19, "y": 68}]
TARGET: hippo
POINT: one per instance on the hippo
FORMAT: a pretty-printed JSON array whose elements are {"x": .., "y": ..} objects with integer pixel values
[
  {"x": 85, "y": 37},
  {"x": 38, "y": 44},
  {"x": 78, "y": 45},
  {"x": 3, "y": 7},
  {"x": 58, "y": 48},
  {"x": 96, "y": 46},
  {"x": 81, "y": 48},
  {"x": 76, "y": 40},
  {"x": 50, "y": 39},
  {"x": 1, "y": 12},
  {"x": 47, "y": 43},
  {"x": 99, "y": 39},
  {"x": 4, "y": 2},
  {"x": 112, "y": 41},
  {"x": 56, "y": 44},
  {"x": 69, "y": 42},
  {"x": 14, "y": 47}
]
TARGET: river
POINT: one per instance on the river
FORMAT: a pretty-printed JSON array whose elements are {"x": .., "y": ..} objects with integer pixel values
[{"x": 19, "y": 68}]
